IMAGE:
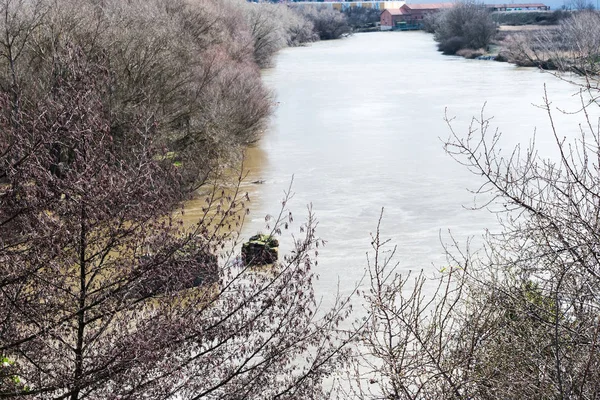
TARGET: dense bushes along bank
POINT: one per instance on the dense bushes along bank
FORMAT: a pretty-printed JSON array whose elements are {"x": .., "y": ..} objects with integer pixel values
[
  {"x": 191, "y": 67},
  {"x": 572, "y": 45},
  {"x": 112, "y": 113},
  {"x": 567, "y": 41}
]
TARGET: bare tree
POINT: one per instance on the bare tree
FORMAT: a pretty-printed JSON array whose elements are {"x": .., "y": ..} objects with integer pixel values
[
  {"x": 103, "y": 292},
  {"x": 517, "y": 319},
  {"x": 99, "y": 292},
  {"x": 466, "y": 25},
  {"x": 579, "y": 5},
  {"x": 546, "y": 253},
  {"x": 423, "y": 334},
  {"x": 275, "y": 26},
  {"x": 188, "y": 65},
  {"x": 573, "y": 46}
]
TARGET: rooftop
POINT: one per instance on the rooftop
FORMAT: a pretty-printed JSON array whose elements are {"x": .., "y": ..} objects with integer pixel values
[
  {"x": 396, "y": 11},
  {"x": 430, "y": 6}
]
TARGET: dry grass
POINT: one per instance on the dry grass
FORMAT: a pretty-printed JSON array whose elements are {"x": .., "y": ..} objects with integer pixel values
[
  {"x": 520, "y": 28},
  {"x": 470, "y": 53}
]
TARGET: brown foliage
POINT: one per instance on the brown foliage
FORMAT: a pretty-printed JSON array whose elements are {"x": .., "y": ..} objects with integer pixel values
[
  {"x": 190, "y": 67},
  {"x": 274, "y": 26},
  {"x": 111, "y": 114},
  {"x": 328, "y": 23},
  {"x": 573, "y": 46}
]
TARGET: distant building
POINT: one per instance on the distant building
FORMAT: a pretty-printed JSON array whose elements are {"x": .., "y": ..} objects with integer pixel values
[
  {"x": 344, "y": 5},
  {"x": 410, "y": 16},
  {"x": 391, "y": 18}
]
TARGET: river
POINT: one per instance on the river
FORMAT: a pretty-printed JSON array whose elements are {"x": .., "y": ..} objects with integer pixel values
[{"x": 359, "y": 125}]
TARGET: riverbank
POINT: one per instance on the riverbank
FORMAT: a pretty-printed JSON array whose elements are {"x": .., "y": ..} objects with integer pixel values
[
  {"x": 566, "y": 41},
  {"x": 505, "y": 46},
  {"x": 572, "y": 45},
  {"x": 515, "y": 45}
]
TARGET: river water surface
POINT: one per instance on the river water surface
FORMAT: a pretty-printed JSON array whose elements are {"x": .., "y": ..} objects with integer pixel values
[{"x": 359, "y": 125}]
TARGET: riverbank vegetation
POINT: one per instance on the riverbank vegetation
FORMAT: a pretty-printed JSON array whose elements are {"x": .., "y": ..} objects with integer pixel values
[
  {"x": 566, "y": 41},
  {"x": 328, "y": 23},
  {"x": 573, "y": 45},
  {"x": 518, "y": 318},
  {"x": 112, "y": 114},
  {"x": 275, "y": 26},
  {"x": 363, "y": 19},
  {"x": 513, "y": 18},
  {"x": 465, "y": 26}
]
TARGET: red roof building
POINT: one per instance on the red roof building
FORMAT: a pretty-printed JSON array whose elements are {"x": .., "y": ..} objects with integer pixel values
[
  {"x": 426, "y": 7},
  {"x": 409, "y": 16}
]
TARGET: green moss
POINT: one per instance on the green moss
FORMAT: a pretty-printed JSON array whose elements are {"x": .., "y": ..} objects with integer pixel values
[
  {"x": 266, "y": 240},
  {"x": 261, "y": 249}
]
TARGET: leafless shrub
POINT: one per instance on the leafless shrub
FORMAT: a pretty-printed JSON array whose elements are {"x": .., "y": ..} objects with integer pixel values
[
  {"x": 526, "y": 49},
  {"x": 299, "y": 29},
  {"x": 581, "y": 35},
  {"x": 362, "y": 18},
  {"x": 465, "y": 25},
  {"x": 328, "y": 23},
  {"x": 110, "y": 115},
  {"x": 470, "y": 53},
  {"x": 188, "y": 67},
  {"x": 573, "y": 46}
]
